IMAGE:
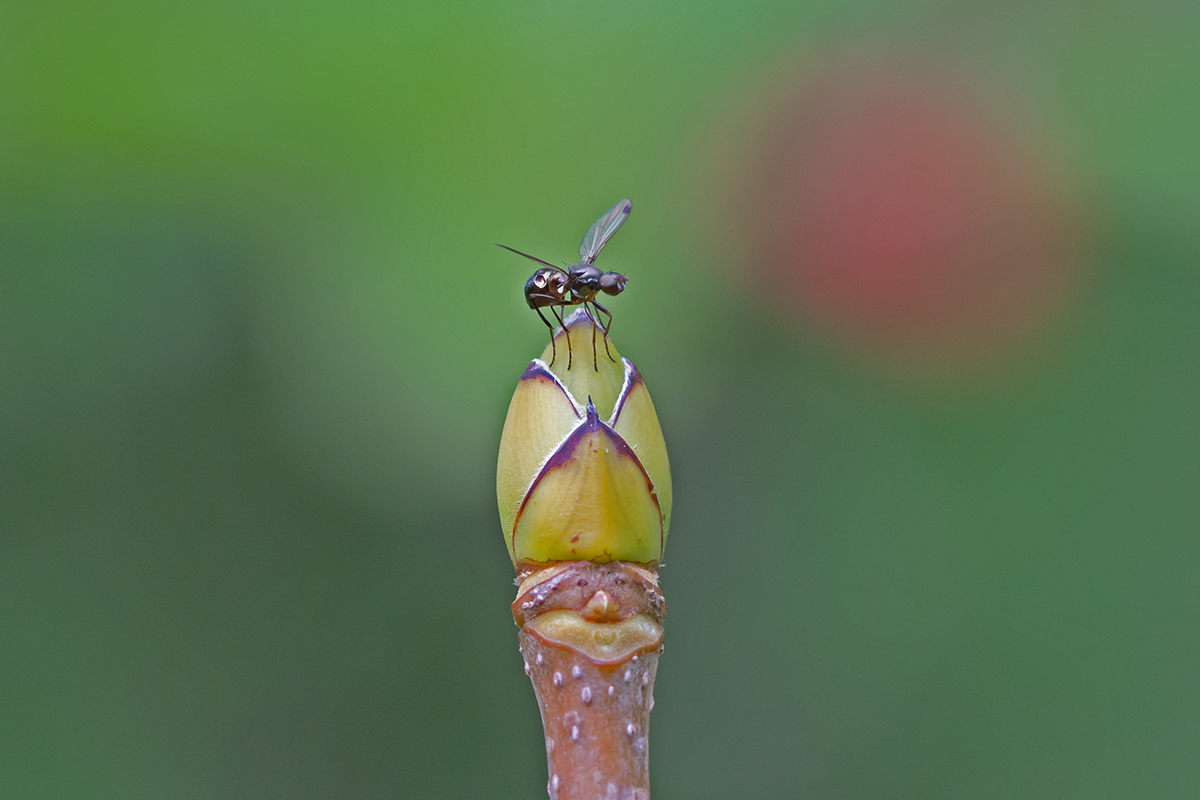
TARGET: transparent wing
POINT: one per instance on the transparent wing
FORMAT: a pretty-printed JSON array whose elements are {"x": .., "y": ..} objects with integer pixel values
[{"x": 602, "y": 230}]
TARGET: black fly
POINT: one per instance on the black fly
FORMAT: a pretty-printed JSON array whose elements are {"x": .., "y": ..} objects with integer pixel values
[{"x": 553, "y": 287}]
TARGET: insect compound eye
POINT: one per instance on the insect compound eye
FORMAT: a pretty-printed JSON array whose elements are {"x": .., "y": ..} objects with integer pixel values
[{"x": 612, "y": 283}]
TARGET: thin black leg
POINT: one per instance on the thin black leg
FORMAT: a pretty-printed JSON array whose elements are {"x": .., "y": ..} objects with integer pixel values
[
  {"x": 595, "y": 324},
  {"x": 607, "y": 328},
  {"x": 558, "y": 316},
  {"x": 553, "y": 349}
]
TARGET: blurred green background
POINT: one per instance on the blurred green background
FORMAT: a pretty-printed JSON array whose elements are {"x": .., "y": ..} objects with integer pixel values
[{"x": 256, "y": 347}]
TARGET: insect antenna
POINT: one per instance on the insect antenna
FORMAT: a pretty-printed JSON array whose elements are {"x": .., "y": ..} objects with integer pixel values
[{"x": 531, "y": 258}]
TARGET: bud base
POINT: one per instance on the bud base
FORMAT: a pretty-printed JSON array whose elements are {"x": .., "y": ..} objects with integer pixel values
[{"x": 595, "y": 706}]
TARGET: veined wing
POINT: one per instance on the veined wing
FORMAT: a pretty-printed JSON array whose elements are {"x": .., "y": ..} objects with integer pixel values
[{"x": 602, "y": 230}]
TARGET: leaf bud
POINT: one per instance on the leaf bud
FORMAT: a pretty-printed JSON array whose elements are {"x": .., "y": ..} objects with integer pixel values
[{"x": 583, "y": 473}]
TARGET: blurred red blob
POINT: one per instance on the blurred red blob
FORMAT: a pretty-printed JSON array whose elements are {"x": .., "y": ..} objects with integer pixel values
[{"x": 905, "y": 212}]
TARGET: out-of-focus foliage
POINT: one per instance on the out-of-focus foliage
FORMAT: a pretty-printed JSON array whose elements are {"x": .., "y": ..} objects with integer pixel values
[{"x": 256, "y": 347}]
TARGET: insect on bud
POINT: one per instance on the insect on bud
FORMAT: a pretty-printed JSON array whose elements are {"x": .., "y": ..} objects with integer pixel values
[{"x": 583, "y": 473}]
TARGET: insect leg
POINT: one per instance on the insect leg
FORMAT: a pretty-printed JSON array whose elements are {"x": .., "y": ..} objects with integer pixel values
[
  {"x": 553, "y": 349},
  {"x": 595, "y": 324},
  {"x": 607, "y": 328},
  {"x": 558, "y": 316}
]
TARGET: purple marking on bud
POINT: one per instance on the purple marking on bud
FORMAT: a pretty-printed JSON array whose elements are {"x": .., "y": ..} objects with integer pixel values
[
  {"x": 538, "y": 371},
  {"x": 632, "y": 379},
  {"x": 535, "y": 370},
  {"x": 565, "y": 454}
]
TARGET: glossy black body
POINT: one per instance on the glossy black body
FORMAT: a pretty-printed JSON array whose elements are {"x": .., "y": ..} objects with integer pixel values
[{"x": 553, "y": 287}]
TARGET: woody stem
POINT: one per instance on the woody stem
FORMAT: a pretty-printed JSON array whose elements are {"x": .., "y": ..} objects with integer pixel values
[{"x": 591, "y": 635}]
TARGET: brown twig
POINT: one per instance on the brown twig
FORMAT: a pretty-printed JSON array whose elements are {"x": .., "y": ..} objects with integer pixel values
[{"x": 591, "y": 635}]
